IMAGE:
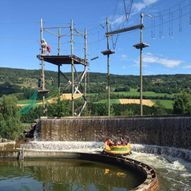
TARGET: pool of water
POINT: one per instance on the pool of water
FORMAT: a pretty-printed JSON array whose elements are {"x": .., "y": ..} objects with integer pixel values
[
  {"x": 64, "y": 175},
  {"x": 174, "y": 174}
]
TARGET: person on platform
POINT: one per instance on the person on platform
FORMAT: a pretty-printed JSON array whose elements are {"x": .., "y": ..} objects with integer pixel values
[{"x": 45, "y": 48}]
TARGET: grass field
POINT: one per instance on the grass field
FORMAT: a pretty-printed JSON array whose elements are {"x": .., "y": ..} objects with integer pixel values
[
  {"x": 146, "y": 102},
  {"x": 168, "y": 104},
  {"x": 112, "y": 101},
  {"x": 134, "y": 92},
  {"x": 66, "y": 96},
  {"x": 27, "y": 101}
]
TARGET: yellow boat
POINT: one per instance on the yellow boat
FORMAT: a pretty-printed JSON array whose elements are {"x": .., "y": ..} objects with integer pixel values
[{"x": 118, "y": 149}]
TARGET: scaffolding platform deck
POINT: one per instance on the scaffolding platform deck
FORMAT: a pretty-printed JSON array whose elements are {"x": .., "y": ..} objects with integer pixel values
[{"x": 62, "y": 59}]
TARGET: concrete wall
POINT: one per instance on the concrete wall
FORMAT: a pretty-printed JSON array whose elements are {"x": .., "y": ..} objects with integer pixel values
[{"x": 163, "y": 131}]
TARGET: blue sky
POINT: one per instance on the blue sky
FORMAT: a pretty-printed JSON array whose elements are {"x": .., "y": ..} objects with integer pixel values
[{"x": 167, "y": 31}]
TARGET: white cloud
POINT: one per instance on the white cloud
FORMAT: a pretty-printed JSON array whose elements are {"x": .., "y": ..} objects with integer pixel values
[
  {"x": 187, "y": 67},
  {"x": 169, "y": 63},
  {"x": 137, "y": 7}
]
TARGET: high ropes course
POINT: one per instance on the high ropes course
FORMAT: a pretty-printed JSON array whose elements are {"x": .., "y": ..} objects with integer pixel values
[{"x": 158, "y": 23}]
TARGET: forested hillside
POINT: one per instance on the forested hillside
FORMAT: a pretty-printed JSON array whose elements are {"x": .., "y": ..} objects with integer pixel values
[
  {"x": 22, "y": 81},
  {"x": 163, "y": 94}
]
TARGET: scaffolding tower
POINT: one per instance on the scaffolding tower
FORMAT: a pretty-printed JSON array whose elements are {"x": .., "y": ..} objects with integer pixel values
[{"x": 76, "y": 79}]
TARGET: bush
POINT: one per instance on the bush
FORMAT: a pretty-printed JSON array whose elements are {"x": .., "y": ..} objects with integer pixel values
[
  {"x": 182, "y": 104},
  {"x": 10, "y": 124}
]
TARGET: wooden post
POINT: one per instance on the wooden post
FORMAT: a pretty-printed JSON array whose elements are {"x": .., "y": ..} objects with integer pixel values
[
  {"x": 108, "y": 69},
  {"x": 72, "y": 65},
  {"x": 141, "y": 65}
]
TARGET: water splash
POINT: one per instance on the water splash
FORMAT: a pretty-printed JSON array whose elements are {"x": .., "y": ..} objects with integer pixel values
[
  {"x": 174, "y": 174},
  {"x": 164, "y": 150},
  {"x": 69, "y": 146}
]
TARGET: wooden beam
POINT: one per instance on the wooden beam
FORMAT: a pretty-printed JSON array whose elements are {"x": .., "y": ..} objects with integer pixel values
[{"x": 140, "y": 26}]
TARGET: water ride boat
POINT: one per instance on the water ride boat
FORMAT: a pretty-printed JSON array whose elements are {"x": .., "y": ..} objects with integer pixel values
[{"x": 117, "y": 149}]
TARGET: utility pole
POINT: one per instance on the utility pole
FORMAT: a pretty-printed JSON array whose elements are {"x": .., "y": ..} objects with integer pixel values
[
  {"x": 108, "y": 52},
  {"x": 72, "y": 65}
]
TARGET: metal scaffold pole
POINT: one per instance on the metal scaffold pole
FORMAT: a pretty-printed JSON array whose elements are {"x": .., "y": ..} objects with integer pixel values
[{"x": 72, "y": 64}]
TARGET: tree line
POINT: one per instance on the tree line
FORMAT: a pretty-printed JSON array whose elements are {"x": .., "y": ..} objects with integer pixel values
[
  {"x": 11, "y": 120},
  {"x": 26, "y": 83}
]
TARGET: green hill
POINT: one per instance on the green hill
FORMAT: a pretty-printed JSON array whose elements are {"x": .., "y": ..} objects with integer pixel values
[{"x": 23, "y": 82}]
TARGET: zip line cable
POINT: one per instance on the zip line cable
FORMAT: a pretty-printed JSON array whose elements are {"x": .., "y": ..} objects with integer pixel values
[
  {"x": 190, "y": 12},
  {"x": 127, "y": 12},
  {"x": 174, "y": 7},
  {"x": 177, "y": 11}
]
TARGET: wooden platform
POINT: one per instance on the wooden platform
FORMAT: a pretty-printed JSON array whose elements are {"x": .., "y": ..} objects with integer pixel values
[
  {"x": 107, "y": 52},
  {"x": 62, "y": 59},
  {"x": 141, "y": 45}
]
